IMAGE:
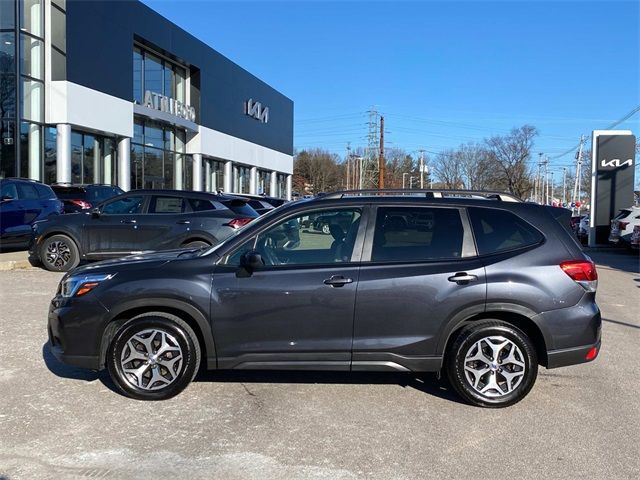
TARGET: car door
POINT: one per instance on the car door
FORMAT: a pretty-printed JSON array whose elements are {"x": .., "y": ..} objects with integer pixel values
[
  {"x": 113, "y": 231},
  {"x": 297, "y": 310},
  {"x": 164, "y": 224},
  {"x": 30, "y": 201},
  {"x": 418, "y": 272},
  {"x": 12, "y": 213}
]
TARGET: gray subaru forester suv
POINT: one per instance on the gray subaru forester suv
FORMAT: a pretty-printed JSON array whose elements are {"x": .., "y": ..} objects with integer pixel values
[{"x": 478, "y": 285}]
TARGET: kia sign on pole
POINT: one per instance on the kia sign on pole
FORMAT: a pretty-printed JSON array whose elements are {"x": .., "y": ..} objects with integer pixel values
[{"x": 612, "y": 175}]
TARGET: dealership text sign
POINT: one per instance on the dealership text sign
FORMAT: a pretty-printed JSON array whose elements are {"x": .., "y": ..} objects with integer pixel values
[
  {"x": 169, "y": 105},
  {"x": 256, "y": 110}
]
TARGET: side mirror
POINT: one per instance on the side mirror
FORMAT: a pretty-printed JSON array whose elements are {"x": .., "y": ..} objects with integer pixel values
[
  {"x": 6, "y": 198},
  {"x": 249, "y": 262},
  {"x": 95, "y": 212}
]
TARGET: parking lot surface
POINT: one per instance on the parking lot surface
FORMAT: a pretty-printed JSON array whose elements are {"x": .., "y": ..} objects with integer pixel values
[{"x": 61, "y": 422}]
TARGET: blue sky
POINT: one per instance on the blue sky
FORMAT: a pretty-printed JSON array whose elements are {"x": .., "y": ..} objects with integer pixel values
[{"x": 442, "y": 73}]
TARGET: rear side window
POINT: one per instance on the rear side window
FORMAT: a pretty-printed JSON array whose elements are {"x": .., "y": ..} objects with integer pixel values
[
  {"x": 201, "y": 205},
  {"x": 44, "y": 191},
  {"x": 166, "y": 204},
  {"x": 70, "y": 193},
  {"x": 27, "y": 192},
  {"x": 410, "y": 234},
  {"x": 240, "y": 207},
  {"x": 8, "y": 189},
  {"x": 100, "y": 194},
  {"x": 499, "y": 230}
]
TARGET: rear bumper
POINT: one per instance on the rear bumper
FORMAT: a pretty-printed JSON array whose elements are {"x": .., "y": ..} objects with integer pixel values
[{"x": 571, "y": 356}]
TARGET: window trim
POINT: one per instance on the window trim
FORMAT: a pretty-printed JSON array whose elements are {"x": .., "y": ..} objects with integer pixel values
[
  {"x": 468, "y": 244},
  {"x": 356, "y": 254},
  {"x": 143, "y": 207}
]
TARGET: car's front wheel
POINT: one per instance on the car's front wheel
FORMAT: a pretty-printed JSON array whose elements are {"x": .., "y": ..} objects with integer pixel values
[
  {"x": 492, "y": 364},
  {"x": 59, "y": 253},
  {"x": 153, "y": 356}
]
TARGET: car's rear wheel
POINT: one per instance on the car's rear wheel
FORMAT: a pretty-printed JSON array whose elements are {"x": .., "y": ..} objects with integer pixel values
[
  {"x": 492, "y": 364},
  {"x": 59, "y": 253},
  {"x": 153, "y": 356}
]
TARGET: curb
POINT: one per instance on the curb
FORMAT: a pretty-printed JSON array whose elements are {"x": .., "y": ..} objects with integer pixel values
[{"x": 14, "y": 265}]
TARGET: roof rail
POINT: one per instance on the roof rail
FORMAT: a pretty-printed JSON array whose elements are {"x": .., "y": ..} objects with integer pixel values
[{"x": 427, "y": 193}]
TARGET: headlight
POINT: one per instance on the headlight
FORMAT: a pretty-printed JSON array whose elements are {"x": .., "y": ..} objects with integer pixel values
[{"x": 78, "y": 285}]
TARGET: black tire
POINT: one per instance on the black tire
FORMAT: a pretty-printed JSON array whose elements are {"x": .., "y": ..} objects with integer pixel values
[
  {"x": 504, "y": 395},
  {"x": 196, "y": 244},
  {"x": 178, "y": 333},
  {"x": 59, "y": 253}
]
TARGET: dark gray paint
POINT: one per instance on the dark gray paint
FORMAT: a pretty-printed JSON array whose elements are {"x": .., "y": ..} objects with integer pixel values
[
  {"x": 614, "y": 185},
  {"x": 100, "y": 37}
]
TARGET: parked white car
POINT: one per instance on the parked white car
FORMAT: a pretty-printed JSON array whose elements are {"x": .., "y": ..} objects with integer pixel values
[{"x": 622, "y": 225}]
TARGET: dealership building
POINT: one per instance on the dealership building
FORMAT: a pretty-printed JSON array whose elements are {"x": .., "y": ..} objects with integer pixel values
[{"x": 112, "y": 92}]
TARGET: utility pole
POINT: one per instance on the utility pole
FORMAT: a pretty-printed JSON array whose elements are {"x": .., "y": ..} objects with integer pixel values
[
  {"x": 564, "y": 186},
  {"x": 348, "y": 158},
  {"x": 538, "y": 183},
  {"x": 422, "y": 169},
  {"x": 546, "y": 180},
  {"x": 381, "y": 163},
  {"x": 552, "y": 188},
  {"x": 577, "y": 184}
]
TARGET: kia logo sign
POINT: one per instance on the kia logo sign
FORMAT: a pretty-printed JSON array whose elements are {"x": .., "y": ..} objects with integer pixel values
[
  {"x": 256, "y": 110},
  {"x": 616, "y": 163}
]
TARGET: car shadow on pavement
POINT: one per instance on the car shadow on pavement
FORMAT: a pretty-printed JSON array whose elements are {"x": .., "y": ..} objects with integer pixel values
[
  {"x": 424, "y": 382},
  {"x": 428, "y": 383}
]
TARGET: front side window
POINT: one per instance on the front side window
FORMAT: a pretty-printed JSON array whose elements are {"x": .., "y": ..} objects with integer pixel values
[
  {"x": 413, "y": 234},
  {"x": 124, "y": 206},
  {"x": 498, "y": 230},
  {"x": 301, "y": 241}
]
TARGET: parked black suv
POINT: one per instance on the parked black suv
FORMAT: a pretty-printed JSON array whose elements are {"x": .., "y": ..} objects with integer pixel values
[
  {"x": 484, "y": 289},
  {"x": 137, "y": 221},
  {"x": 78, "y": 197}
]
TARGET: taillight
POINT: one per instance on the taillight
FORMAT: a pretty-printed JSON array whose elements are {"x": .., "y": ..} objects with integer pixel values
[
  {"x": 239, "y": 222},
  {"x": 583, "y": 272},
  {"x": 81, "y": 203},
  {"x": 591, "y": 354},
  {"x": 622, "y": 225}
]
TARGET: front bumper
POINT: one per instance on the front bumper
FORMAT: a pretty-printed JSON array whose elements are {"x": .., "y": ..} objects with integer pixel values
[{"x": 75, "y": 329}]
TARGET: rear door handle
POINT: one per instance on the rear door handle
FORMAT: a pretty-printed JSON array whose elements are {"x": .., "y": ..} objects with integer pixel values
[
  {"x": 127, "y": 221},
  {"x": 462, "y": 278},
  {"x": 337, "y": 281},
  {"x": 183, "y": 222}
]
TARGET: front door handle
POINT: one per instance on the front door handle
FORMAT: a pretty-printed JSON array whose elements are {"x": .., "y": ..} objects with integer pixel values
[
  {"x": 337, "y": 281},
  {"x": 183, "y": 222},
  {"x": 462, "y": 278},
  {"x": 127, "y": 221}
]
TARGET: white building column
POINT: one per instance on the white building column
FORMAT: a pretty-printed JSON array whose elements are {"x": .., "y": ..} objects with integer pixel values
[
  {"x": 34, "y": 135},
  {"x": 253, "y": 181},
  {"x": 273, "y": 189},
  {"x": 197, "y": 172},
  {"x": 228, "y": 176},
  {"x": 124, "y": 164},
  {"x": 289, "y": 183},
  {"x": 63, "y": 153},
  {"x": 207, "y": 176}
]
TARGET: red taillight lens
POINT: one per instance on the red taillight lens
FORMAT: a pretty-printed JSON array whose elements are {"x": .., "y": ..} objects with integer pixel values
[
  {"x": 239, "y": 222},
  {"x": 582, "y": 271},
  {"x": 622, "y": 225},
  {"x": 81, "y": 203},
  {"x": 591, "y": 354}
]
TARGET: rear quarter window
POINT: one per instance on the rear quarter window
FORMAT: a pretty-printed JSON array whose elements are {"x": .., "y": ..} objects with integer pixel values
[
  {"x": 240, "y": 207},
  {"x": 499, "y": 230}
]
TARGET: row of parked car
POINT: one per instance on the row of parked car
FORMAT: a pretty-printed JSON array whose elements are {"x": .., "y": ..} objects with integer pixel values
[
  {"x": 102, "y": 221},
  {"x": 625, "y": 228}
]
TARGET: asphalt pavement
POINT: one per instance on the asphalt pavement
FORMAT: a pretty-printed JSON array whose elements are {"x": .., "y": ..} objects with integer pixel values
[{"x": 62, "y": 422}]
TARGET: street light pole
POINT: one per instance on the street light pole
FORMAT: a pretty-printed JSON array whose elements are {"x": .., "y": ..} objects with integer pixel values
[
  {"x": 403, "y": 175},
  {"x": 564, "y": 186}
]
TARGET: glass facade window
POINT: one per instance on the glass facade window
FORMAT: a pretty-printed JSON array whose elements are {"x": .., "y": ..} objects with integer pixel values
[
  {"x": 32, "y": 57},
  {"x": 31, "y": 19},
  {"x": 241, "y": 179},
  {"x": 50, "y": 155},
  {"x": 93, "y": 158},
  {"x": 214, "y": 175},
  {"x": 264, "y": 182},
  {"x": 32, "y": 100},
  {"x": 8, "y": 167},
  {"x": 281, "y": 186},
  {"x": 157, "y": 156},
  {"x": 30, "y": 149},
  {"x": 7, "y": 14},
  {"x": 59, "y": 29},
  {"x": 156, "y": 74}
]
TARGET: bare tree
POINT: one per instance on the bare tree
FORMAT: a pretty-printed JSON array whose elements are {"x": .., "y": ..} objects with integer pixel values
[
  {"x": 475, "y": 164},
  {"x": 510, "y": 154},
  {"x": 447, "y": 168},
  {"x": 319, "y": 170}
]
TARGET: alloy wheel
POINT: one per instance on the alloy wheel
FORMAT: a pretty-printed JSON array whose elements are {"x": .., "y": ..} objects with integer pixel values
[
  {"x": 494, "y": 366},
  {"x": 58, "y": 253},
  {"x": 151, "y": 359}
]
